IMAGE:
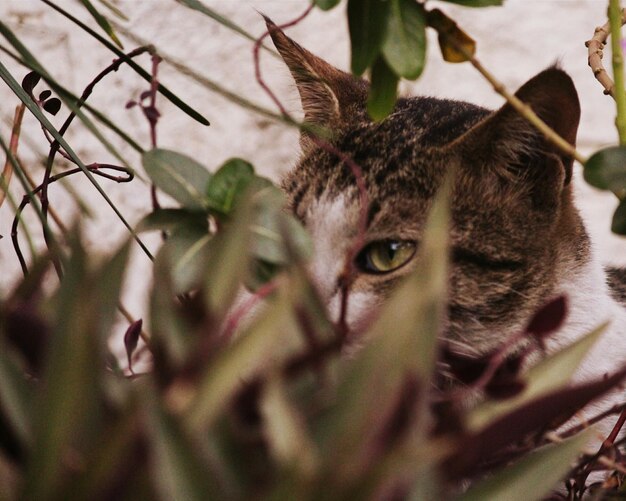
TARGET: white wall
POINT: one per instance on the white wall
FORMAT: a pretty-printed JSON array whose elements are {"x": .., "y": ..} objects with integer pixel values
[{"x": 515, "y": 42}]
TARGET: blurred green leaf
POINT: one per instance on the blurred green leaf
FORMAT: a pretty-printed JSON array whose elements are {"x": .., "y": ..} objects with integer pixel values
[
  {"x": 16, "y": 398},
  {"x": 67, "y": 409},
  {"x": 286, "y": 431},
  {"x": 228, "y": 260},
  {"x": 618, "y": 223},
  {"x": 179, "y": 472},
  {"x": 228, "y": 184},
  {"x": 178, "y": 175},
  {"x": 404, "y": 47},
  {"x": 187, "y": 251},
  {"x": 545, "y": 377},
  {"x": 367, "y": 22},
  {"x": 117, "y": 12},
  {"x": 532, "y": 477},
  {"x": 262, "y": 345},
  {"x": 170, "y": 219},
  {"x": 397, "y": 363},
  {"x": 102, "y": 22},
  {"x": 269, "y": 226},
  {"x": 327, "y": 4},
  {"x": 383, "y": 90},
  {"x": 476, "y": 3},
  {"x": 606, "y": 169}
]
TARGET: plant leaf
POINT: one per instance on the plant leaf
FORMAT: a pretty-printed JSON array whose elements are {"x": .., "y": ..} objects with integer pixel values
[
  {"x": 178, "y": 175},
  {"x": 383, "y": 90},
  {"x": 327, "y": 4},
  {"x": 456, "y": 45},
  {"x": 532, "y": 477},
  {"x": 228, "y": 184},
  {"x": 29, "y": 82},
  {"x": 16, "y": 398},
  {"x": 170, "y": 219},
  {"x": 102, "y": 22},
  {"x": 405, "y": 44},
  {"x": 367, "y": 22},
  {"x": 606, "y": 169},
  {"x": 52, "y": 106},
  {"x": 618, "y": 223},
  {"x": 546, "y": 376}
]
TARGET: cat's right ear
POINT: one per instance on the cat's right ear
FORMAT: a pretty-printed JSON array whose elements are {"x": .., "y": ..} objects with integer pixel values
[{"x": 326, "y": 93}]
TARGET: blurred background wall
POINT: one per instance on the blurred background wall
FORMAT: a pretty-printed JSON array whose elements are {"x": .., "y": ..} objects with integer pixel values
[{"x": 514, "y": 41}]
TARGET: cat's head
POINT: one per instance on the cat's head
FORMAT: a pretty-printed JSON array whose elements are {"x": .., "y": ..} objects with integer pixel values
[{"x": 515, "y": 231}]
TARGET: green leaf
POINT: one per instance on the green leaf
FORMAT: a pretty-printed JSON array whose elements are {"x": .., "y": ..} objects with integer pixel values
[
  {"x": 545, "y": 377},
  {"x": 327, "y": 4},
  {"x": 102, "y": 22},
  {"x": 383, "y": 90},
  {"x": 228, "y": 260},
  {"x": 476, "y": 3},
  {"x": 16, "y": 398},
  {"x": 367, "y": 22},
  {"x": 66, "y": 411},
  {"x": 405, "y": 44},
  {"x": 532, "y": 477},
  {"x": 186, "y": 250},
  {"x": 179, "y": 176},
  {"x": 170, "y": 219},
  {"x": 179, "y": 471},
  {"x": 270, "y": 227},
  {"x": 606, "y": 169},
  {"x": 228, "y": 185},
  {"x": 618, "y": 224}
]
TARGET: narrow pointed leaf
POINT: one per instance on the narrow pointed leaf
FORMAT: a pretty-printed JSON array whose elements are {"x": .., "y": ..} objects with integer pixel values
[
  {"x": 405, "y": 44},
  {"x": 383, "y": 90},
  {"x": 16, "y": 398},
  {"x": 533, "y": 477},
  {"x": 367, "y": 22},
  {"x": 102, "y": 22},
  {"x": 178, "y": 175},
  {"x": 170, "y": 219}
]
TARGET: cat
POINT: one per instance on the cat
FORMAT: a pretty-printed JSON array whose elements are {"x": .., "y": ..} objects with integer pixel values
[{"x": 517, "y": 238}]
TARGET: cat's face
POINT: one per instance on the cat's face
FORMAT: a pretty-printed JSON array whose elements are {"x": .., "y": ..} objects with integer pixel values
[{"x": 515, "y": 232}]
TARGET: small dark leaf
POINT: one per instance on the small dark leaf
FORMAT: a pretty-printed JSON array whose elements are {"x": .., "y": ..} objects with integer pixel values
[
  {"x": 29, "y": 82},
  {"x": 606, "y": 169},
  {"x": 131, "y": 104},
  {"x": 383, "y": 91},
  {"x": 618, "y": 225},
  {"x": 151, "y": 113},
  {"x": 44, "y": 95},
  {"x": 52, "y": 106},
  {"x": 145, "y": 94},
  {"x": 327, "y": 4},
  {"x": 131, "y": 338},
  {"x": 549, "y": 318},
  {"x": 367, "y": 21}
]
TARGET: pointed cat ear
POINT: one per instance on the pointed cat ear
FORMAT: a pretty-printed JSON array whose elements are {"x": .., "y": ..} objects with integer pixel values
[
  {"x": 510, "y": 143},
  {"x": 326, "y": 93}
]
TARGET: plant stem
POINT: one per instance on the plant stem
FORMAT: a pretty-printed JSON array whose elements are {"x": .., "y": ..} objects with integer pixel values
[{"x": 615, "y": 21}]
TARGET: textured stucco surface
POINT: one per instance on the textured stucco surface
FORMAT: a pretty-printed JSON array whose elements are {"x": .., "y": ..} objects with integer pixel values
[{"x": 515, "y": 42}]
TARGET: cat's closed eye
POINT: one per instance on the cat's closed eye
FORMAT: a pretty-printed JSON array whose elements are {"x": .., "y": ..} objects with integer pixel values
[{"x": 385, "y": 256}]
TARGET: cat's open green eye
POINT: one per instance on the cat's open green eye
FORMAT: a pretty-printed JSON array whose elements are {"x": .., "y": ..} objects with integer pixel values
[{"x": 384, "y": 256}]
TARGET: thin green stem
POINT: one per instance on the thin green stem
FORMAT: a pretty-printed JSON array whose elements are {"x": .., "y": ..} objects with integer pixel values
[{"x": 615, "y": 21}]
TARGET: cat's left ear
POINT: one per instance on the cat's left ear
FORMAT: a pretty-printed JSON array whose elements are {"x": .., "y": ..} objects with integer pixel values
[
  {"x": 507, "y": 141},
  {"x": 326, "y": 93}
]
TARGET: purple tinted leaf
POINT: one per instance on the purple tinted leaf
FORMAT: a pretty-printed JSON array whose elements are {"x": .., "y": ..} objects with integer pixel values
[
  {"x": 501, "y": 389},
  {"x": 152, "y": 114},
  {"x": 44, "y": 95},
  {"x": 145, "y": 94},
  {"x": 465, "y": 369},
  {"x": 52, "y": 106},
  {"x": 29, "y": 82},
  {"x": 131, "y": 338},
  {"x": 533, "y": 418},
  {"x": 549, "y": 318},
  {"x": 131, "y": 104}
]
